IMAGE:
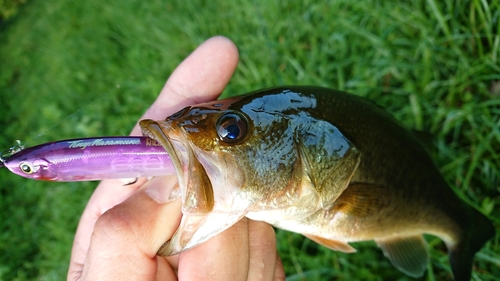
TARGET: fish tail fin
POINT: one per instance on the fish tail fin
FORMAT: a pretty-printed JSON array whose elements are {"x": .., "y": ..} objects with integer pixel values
[{"x": 462, "y": 253}]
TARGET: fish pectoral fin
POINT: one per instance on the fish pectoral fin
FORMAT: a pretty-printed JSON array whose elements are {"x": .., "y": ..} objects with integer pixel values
[
  {"x": 328, "y": 159},
  {"x": 194, "y": 230},
  {"x": 408, "y": 254},
  {"x": 332, "y": 244},
  {"x": 361, "y": 199}
]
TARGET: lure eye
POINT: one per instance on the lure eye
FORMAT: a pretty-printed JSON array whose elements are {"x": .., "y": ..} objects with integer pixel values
[
  {"x": 231, "y": 128},
  {"x": 26, "y": 168}
]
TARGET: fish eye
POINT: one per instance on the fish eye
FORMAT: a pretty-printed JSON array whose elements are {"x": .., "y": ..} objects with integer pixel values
[
  {"x": 231, "y": 128},
  {"x": 26, "y": 168}
]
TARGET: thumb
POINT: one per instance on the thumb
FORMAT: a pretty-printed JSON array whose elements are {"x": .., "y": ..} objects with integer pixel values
[{"x": 126, "y": 238}]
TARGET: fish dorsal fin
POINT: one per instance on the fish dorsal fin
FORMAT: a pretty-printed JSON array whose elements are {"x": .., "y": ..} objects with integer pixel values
[
  {"x": 332, "y": 244},
  {"x": 361, "y": 199},
  {"x": 408, "y": 254}
]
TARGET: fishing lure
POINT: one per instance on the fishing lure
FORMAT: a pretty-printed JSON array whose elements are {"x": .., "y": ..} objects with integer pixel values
[{"x": 89, "y": 159}]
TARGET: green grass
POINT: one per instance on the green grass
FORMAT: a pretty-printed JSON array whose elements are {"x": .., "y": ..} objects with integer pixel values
[{"x": 88, "y": 68}]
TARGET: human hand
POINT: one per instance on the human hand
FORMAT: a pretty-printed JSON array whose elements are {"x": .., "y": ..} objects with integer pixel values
[{"x": 123, "y": 227}]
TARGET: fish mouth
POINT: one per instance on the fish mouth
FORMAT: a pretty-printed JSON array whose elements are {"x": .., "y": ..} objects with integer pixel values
[
  {"x": 204, "y": 214},
  {"x": 152, "y": 129},
  {"x": 196, "y": 187}
]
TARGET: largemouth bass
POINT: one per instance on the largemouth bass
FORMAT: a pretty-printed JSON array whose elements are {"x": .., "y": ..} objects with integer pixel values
[{"x": 329, "y": 165}]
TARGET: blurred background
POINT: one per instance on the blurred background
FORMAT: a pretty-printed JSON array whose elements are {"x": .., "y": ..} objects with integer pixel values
[{"x": 73, "y": 69}]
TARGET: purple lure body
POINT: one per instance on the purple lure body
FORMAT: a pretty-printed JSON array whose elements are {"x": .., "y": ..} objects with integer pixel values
[{"x": 92, "y": 159}]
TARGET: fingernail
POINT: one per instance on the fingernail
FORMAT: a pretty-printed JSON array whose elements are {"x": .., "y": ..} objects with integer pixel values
[
  {"x": 128, "y": 181},
  {"x": 160, "y": 188}
]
